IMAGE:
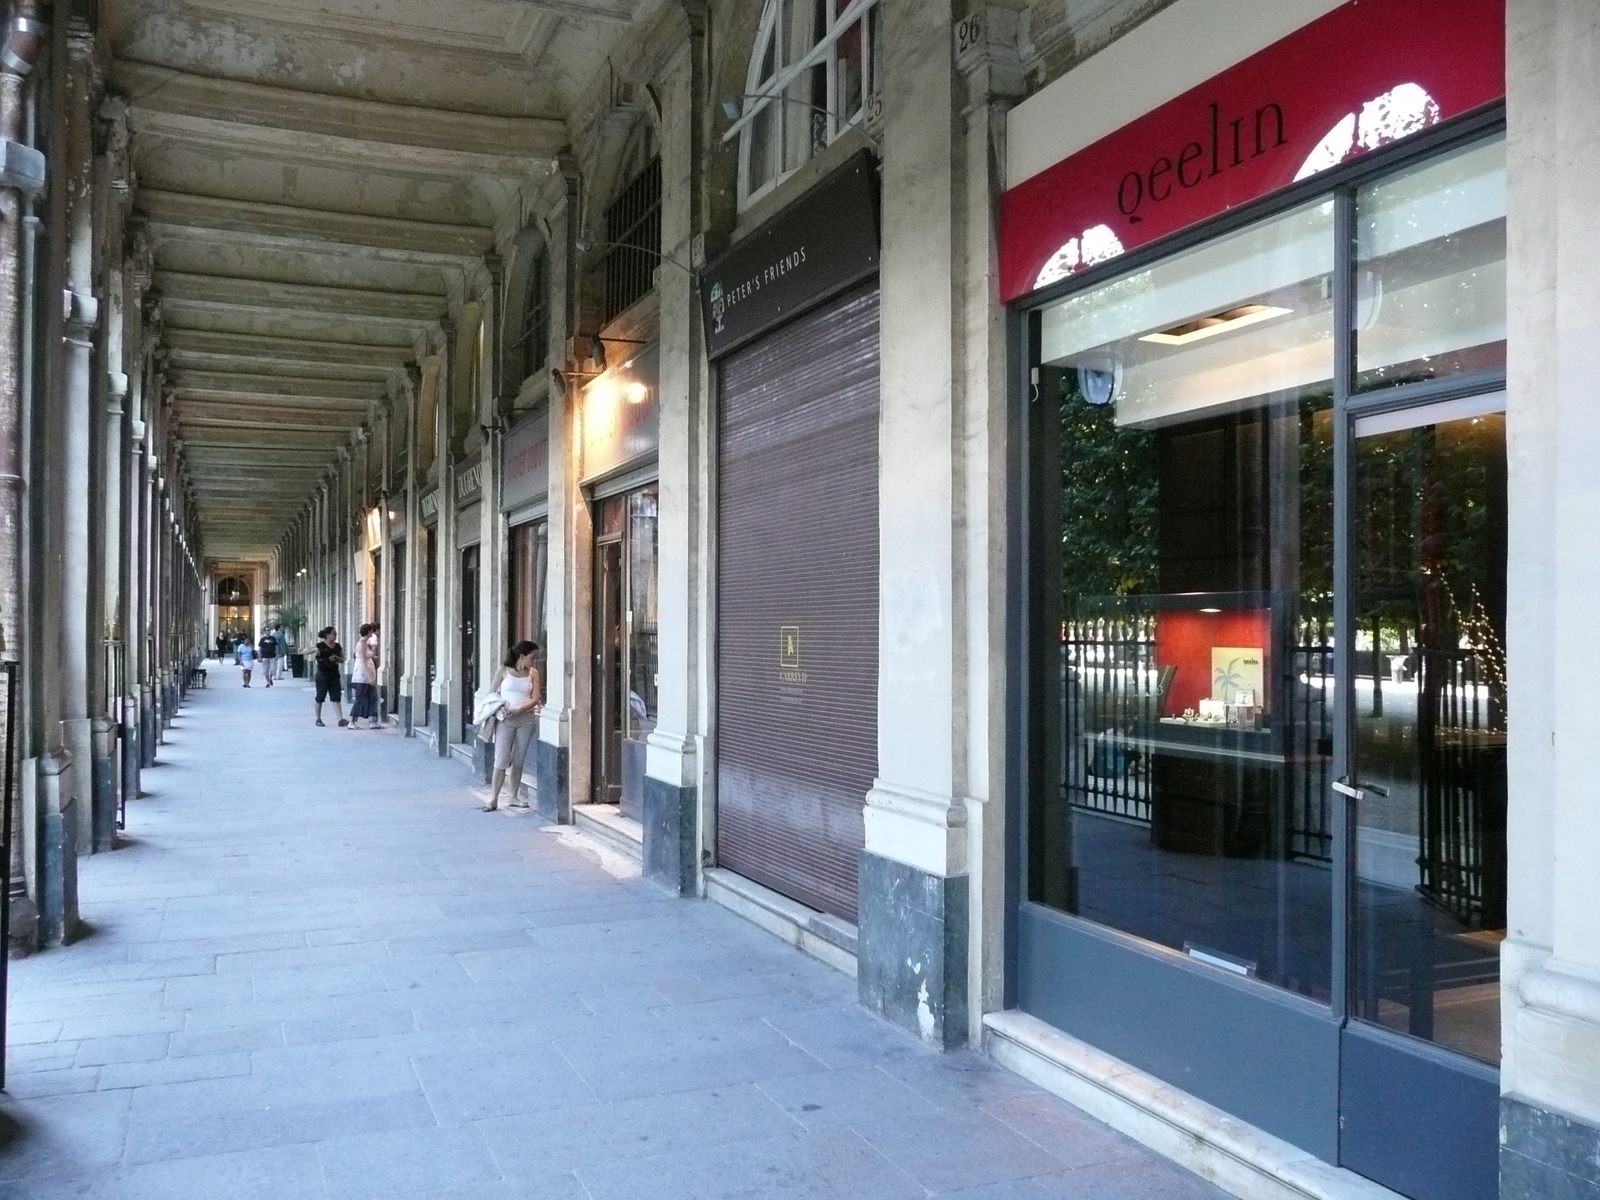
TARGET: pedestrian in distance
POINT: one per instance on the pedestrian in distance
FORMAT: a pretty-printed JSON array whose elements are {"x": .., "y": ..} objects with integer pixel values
[
  {"x": 267, "y": 652},
  {"x": 363, "y": 681},
  {"x": 326, "y": 674},
  {"x": 247, "y": 655},
  {"x": 518, "y": 685}
]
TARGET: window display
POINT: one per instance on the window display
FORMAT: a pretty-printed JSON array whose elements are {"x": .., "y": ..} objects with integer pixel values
[{"x": 1192, "y": 716}]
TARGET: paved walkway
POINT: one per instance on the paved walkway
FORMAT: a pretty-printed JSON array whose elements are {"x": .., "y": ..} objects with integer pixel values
[{"x": 317, "y": 971}]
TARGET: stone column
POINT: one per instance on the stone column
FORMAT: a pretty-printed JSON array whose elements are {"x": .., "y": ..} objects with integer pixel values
[
  {"x": 410, "y": 631},
  {"x": 912, "y": 949},
  {"x": 1550, "y": 1073},
  {"x": 447, "y": 642},
  {"x": 672, "y": 791},
  {"x": 562, "y": 655},
  {"x": 79, "y": 616}
]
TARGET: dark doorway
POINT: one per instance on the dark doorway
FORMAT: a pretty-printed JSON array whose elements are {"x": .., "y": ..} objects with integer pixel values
[{"x": 468, "y": 682}]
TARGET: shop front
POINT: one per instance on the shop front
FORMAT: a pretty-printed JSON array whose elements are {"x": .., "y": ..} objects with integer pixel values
[
  {"x": 469, "y": 537},
  {"x": 428, "y": 564},
  {"x": 525, "y": 501},
  {"x": 792, "y": 328},
  {"x": 394, "y": 618},
  {"x": 1263, "y": 707},
  {"x": 620, "y": 439}
]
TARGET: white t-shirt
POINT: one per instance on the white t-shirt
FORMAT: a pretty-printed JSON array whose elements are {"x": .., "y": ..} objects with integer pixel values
[{"x": 360, "y": 671}]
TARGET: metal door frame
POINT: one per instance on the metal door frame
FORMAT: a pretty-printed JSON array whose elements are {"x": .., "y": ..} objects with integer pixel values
[
  {"x": 610, "y": 781},
  {"x": 1191, "y": 1026}
]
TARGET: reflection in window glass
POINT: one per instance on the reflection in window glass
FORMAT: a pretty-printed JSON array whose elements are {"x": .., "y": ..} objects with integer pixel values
[
  {"x": 1181, "y": 794},
  {"x": 1430, "y": 695},
  {"x": 1431, "y": 275},
  {"x": 643, "y": 611}
]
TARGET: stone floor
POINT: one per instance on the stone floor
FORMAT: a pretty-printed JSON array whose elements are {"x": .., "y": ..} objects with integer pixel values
[{"x": 316, "y": 970}]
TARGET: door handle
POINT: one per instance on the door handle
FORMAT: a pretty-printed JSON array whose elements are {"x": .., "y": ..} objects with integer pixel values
[{"x": 1358, "y": 791}]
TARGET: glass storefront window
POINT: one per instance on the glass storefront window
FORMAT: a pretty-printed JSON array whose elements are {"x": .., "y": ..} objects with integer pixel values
[
  {"x": 530, "y": 550},
  {"x": 1430, "y": 698},
  {"x": 1431, "y": 270},
  {"x": 1187, "y": 719},
  {"x": 643, "y": 609}
]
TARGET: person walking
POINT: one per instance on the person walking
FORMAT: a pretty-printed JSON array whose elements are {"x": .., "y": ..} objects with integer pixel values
[
  {"x": 247, "y": 656},
  {"x": 326, "y": 673},
  {"x": 363, "y": 682},
  {"x": 267, "y": 652},
  {"x": 518, "y": 685}
]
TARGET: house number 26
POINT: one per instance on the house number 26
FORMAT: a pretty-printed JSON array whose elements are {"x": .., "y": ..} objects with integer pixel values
[{"x": 969, "y": 34}]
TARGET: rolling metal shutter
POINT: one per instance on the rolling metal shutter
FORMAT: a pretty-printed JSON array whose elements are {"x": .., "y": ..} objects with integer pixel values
[{"x": 797, "y": 648}]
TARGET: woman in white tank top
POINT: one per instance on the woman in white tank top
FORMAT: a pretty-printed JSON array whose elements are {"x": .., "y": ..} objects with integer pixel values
[{"x": 518, "y": 685}]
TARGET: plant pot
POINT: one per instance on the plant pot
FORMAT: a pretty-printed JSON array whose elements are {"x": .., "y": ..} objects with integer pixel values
[{"x": 297, "y": 665}]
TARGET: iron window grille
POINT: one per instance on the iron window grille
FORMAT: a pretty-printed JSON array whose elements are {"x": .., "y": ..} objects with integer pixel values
[{"x": 633, "y": 242}]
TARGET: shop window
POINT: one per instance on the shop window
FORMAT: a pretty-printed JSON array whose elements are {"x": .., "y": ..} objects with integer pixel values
[
  {"x": 1188, "y": 718},
  {"x": 813, "y": 75},
  {"x": 530, "y": 552},
  {"x": 1431, "y": 270}
]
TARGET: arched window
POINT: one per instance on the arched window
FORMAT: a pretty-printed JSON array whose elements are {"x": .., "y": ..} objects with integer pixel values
[
  {"x": 232, "y": 592},
  {"x": 536, "y": 315},
  {"x": 813, "y": 75}
]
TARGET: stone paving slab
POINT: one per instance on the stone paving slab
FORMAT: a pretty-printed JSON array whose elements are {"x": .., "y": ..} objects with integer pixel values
[{"x": 316, "y": 970}]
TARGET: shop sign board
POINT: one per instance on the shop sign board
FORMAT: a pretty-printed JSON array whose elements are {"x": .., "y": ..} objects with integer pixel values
[
  {"x": 1362, "y": 76},
  {"x": 428, "y": 507},
  {"x": 621, "y": 415},
  {"x": 469, "y": 481},
  {"x": 823, "y": 243},
  {"x": 397, "y": 517},
  {"x": 525, "y": 462}
]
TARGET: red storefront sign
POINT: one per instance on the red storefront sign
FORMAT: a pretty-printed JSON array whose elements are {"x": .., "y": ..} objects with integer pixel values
[{"x": 1366, "y": 74}]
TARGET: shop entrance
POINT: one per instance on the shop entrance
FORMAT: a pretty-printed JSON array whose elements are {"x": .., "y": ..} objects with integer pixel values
[
  {"x": 625, "y": 611},
  {"x": 469, "y": 640},
  {"x": 1265, "y": 698}
]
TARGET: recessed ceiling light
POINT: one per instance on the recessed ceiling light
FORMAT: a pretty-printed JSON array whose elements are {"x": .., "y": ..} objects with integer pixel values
[{"x": 1222, "y": 322}]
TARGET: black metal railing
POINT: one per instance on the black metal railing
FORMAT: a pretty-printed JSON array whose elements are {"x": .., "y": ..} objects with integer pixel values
[
  {"x": 1110, "y": 683},
  {"x": 633, "y": 243},
  {"x": 1463, "y": 750}
]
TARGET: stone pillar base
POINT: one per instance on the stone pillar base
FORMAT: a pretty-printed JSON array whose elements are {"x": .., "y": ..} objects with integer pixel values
[
  {"x": 132, "y": 748},
  {"x": 482, "y": 759},
  {"x": 57, "y": 883},
  {"x": 671, "y": 836},
  {"x": 911, "y": 950},
  {"x": 1546, "y": 1154},
  {"x": 552, "y": 782},
  {"x": 103, "y": 793},
  {"x": 406, "y": 726},
  {"x": 441, "y": 730}
]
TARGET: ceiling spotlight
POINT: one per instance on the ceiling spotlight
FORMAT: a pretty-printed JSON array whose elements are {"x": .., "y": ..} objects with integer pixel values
[
  {"x": 730, "y": 109},
  {"x": 597, "y": 352},
  {"x": 1222, "y": 322},
  {"x": 583, "y": 244}
]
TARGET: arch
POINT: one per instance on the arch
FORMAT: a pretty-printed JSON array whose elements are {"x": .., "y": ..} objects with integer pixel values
[
  {"x": 529, "y": 308},
  {"x": 811, "y": 77},
  {"x": 232, "y": 592}
]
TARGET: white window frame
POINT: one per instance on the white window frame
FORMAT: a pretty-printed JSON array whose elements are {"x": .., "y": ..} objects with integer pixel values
[{"x": 759, "y": 96}]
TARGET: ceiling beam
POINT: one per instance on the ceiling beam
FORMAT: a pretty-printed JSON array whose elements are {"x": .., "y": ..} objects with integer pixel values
[
  {"x": 240, "y": 294},
  {"x": 286, "y": 226},
  {"x": 462, "y": 142},
  {"x": 287, "y": 387},
  {"x": 279, "y": 349}
]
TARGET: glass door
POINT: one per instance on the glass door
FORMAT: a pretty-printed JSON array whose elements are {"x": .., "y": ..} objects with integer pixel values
[
  {"x": 469, "y": 638},
  {"x": 1427, "y": 728},
  {"x": 609, "y": 649}
]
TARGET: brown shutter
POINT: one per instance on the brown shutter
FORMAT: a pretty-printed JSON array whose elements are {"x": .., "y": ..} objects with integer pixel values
[{"x": 797, "y": 725}]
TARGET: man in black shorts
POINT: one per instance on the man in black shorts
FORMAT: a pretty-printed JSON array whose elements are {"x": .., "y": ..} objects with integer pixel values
[{"x": 326, "y": 675}]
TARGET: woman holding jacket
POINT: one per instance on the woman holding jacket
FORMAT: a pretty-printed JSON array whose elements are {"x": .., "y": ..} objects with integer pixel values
[{"x": 518, "y": 685}]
